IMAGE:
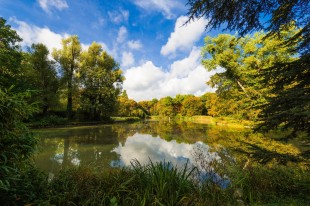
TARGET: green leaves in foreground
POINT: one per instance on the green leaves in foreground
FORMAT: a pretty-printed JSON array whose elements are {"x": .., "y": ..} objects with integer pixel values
[
  {"x": 164, "y": 184},
  {"x": 153, "y": 184},
  {"x": 19, "y": 181}
]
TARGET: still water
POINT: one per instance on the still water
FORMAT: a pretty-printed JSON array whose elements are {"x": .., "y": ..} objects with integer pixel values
[{"x": 118, "y": 144}]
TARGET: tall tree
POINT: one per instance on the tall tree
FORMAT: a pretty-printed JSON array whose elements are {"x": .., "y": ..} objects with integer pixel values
[
  {"x": 10, "y": 55},
  {"x": 43, "y": 77},
  {"x": 101, "y": 80},
  {"x": 68, "y": 58},
  {"x": 290, "y": 80},
  {"x": 243, "y": 62}
]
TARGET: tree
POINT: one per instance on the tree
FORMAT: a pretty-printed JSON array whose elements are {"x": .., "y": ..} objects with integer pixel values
[
  {"x": 191, "y": 106},
  {"x": 101, "y": 80},
  {"x": 243, "y": 62},
  {"x": 123, "y": 109},
  {"x": 246, "y": 16},
  {"x": 290, "y": 80},
  {"x": 10, "y": 55},
  {"x": 68, "y": 58},
  {"x": 166, "y": 107},
  {"x": 42, "y": 77}
]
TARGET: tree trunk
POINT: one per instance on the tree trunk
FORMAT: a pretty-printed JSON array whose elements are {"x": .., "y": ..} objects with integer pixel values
[
  {"x": 69, "y": 103},
  {"x": 243, "y": 89}
]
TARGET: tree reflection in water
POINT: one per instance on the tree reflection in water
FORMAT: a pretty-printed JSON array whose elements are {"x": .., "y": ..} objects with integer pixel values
[{"x": 117, "y": 144}]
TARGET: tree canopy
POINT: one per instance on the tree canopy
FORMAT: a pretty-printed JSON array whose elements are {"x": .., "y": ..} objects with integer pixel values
[
  {"x": 289, "y": 80},
  {"x": 101, "y": 79},
  {"x": 10, "y": 55},
  {"x": 68, "y": 58}
]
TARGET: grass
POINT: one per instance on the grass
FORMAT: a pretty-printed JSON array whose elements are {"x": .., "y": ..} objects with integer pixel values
[
  {"x": 201, "y": 119},
  {"x": 162, "y": 183},
  {"x": 125, "y": 119}
]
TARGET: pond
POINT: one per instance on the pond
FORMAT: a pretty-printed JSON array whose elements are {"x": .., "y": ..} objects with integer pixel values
[
  {"x": 114, "y": 145},
  {"x": 118, "y": 144}
]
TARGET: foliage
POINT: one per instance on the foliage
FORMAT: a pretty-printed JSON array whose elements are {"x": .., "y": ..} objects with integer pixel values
[
  {"x": 125, "y": 119},
  {"x": 18, "y": 181},
  {"x": 41, "y": 77},
  {"x": 290, "y": 80},
  {"x": 10, "y": 55},
  {"x": 101, "y": 79},
  {"x": 67, "y": 58},
  {"x": 166, "y": 107},
  {"x": 128, "y": 107},
  {"x": 243, "y": 63},
  {"x": 167, "y": 184},
  {"x": 246, "y": 16},
  {"x": 192, "y": 106},
  {"x": 156, "y": 183},
  {"x": 50, "y": 120},
  {"x": 290, "y": 108}
]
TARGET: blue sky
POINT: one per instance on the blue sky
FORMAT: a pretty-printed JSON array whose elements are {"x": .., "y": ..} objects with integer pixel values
[{"x": 158, "y": 55}]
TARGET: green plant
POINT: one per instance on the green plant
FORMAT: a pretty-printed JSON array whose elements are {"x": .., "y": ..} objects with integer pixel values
[{"x": 19, "y": 181}]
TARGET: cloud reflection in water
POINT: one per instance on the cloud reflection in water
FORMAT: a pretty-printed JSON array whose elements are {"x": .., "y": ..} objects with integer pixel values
[{"x": 144, "y": 147}]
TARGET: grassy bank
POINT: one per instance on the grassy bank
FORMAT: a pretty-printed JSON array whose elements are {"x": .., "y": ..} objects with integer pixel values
[
  {"x": 221, "y": 121},
  {"x": 55, "y": 121},
  {"x": 163, "y": 184}
]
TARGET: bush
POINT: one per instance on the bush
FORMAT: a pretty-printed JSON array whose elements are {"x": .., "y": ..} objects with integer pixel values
[{"x": 51, "y": 120}]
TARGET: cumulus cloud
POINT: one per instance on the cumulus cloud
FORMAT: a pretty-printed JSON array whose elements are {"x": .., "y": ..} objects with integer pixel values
[
  {"x": 142, "y": 78},
  {"x": 33, "y": 34},
  {"x": 48, "y": 5},
  {"x": 127, "y": 59},
  {"x": 184, "y": 36},
  {"x": 119, "y": 16},
  {"x": 122, "y": 34},
  {"x": 134, "y": 45},
  {"x": 185, "y": 76},
  {"x": 164, "y": 6}
]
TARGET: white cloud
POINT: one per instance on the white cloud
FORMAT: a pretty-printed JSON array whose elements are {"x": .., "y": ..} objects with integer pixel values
[
  {"x": 165, "y": 6},
  {"x": 127, "y": 59},
  {"x": 33, "y": 34},
  {"x": 185, "y": 76},
  {"x": 122, "y": 34},
  {"x": 135, "y": 45},
  {"x": 119, "y": 16},
  {"x": 142, "y": 78},
  {"x": 48, "y": 5},
  {"x": 184, "y": 36}
]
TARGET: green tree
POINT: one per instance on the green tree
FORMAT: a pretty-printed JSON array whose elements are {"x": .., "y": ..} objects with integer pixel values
[
  {"x": 212, "y": 104},
  {"x": 101, "y": 80},
  {"x": 42, "y": 77},
  {"x": 290, "y": 80},
  {"x": 178, "y": 102},
  {"x": 166, "y": 107},
  {"x": 191, "y": 106},
  {"x": 68, "y": 59},
  {"x": 124, "y": 105},
  {"x": 243, "y": 63},
  {"x": 10, "y": 55}
]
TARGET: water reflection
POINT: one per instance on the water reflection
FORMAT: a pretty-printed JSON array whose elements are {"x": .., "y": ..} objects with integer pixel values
[
  {"x": 144, "y": 147},
  {"x": 117, "y": 144}
]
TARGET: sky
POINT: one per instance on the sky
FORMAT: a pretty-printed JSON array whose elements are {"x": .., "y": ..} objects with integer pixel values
[{"x": 158, "y": 54}]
